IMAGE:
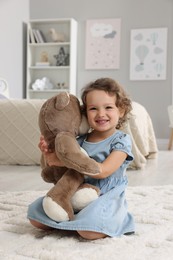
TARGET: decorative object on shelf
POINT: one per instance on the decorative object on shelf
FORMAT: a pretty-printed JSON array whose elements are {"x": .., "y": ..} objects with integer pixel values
[
  {"x": 44, "y": 57},
  {"x": 61, "y": 85},
  {"x": 42, "y": 64},
  {"x": 57, "y": 36},
  {"x": 62, "y": 58},
  {"x": 44, "y": 60},
  {"x": 42, "y": 84}
]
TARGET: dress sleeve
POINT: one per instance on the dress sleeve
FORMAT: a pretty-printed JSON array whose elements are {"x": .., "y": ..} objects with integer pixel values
[
  {"x": 80, "y": 139},
  {"x": 123, "y": 143}
]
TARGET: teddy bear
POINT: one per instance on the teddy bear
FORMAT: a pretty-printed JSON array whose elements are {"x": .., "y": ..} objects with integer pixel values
[{"x": 60, "y": 122}]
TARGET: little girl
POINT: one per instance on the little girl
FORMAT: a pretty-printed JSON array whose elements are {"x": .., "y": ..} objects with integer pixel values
[{"x": 106, "y": 106}]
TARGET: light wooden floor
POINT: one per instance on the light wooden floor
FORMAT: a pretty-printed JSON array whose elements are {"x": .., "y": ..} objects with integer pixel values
[{"x": 157, "y": 172}]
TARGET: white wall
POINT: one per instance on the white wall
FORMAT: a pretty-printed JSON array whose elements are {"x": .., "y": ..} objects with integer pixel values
[{"x": 13, "y": 13}]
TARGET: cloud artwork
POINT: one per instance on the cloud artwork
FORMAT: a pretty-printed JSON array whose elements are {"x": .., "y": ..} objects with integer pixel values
[
  {"x": 103, "y": 44},
  {"x": 110, "y": 35}
]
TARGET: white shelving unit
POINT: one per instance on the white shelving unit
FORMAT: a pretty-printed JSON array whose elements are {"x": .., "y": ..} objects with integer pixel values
[{"x": 62, "y": 77}]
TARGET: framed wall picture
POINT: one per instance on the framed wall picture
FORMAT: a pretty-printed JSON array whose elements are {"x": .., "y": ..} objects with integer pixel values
[
  {"x": 148, "y": 54},
  {"x": 102, "y": 44}
]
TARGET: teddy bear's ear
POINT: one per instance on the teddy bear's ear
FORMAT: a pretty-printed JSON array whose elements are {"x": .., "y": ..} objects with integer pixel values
[{"x": 62, "y": 100}]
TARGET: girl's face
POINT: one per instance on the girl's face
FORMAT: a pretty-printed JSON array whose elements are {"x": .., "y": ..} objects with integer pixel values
[{"x": 102, "y": 113}]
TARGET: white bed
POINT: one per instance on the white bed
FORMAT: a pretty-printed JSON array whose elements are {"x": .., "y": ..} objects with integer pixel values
[{"x": 19, "y": 133}]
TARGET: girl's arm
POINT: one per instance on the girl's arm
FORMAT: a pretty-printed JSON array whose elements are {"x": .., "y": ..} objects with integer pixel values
[
  {"x": 108, "y": 166},
  {"x": 111, "y": 164}
]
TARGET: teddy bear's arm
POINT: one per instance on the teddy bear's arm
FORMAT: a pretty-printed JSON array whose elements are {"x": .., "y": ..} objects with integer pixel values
[
  {"x": 43, "y": 162},
  {"x": 69, "y": 152},
  {"x": 51, "y": 174}
]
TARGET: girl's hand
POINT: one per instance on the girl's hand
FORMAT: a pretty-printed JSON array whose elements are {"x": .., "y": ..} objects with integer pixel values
[
  {"x": 50, "y": 157},
  {"x": 43, "y": 145}
]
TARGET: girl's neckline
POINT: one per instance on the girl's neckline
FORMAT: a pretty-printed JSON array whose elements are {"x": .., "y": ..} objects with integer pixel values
[{"x": 90, "y": 142}]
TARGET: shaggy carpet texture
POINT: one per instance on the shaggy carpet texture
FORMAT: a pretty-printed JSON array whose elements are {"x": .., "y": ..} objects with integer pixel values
[{"x": 152, "y": 208}]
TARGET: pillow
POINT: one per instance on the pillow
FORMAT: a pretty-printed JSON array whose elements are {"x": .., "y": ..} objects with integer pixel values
[{"x": 19, "y": 131}]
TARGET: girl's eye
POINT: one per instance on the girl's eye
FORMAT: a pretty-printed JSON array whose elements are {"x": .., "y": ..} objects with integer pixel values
[
  {"x": 92, "y": 108},
  {"x": 108, "y": 107}
]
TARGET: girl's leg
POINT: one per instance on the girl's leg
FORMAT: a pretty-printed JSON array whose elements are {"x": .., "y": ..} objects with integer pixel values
[
  {"x": 39, "y": 225},
  {"x": 90, "y": 235},
  {"x": 84, "y": 234}
]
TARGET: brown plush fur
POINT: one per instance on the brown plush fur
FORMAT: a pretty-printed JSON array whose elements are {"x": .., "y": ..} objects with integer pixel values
[{"x": 60, "y": 119}]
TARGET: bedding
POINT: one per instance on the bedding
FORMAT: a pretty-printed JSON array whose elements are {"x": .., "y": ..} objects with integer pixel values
[
  {"x": 141, "y": 130},
  {"x": 19, "y": 133}
]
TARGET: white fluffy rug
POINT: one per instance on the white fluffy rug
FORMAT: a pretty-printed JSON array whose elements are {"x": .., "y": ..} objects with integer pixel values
[{"x": 153, "y": 211}]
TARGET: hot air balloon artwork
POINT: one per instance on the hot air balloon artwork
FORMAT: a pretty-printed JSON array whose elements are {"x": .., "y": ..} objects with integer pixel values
[
  {"x": 142, "y": 52},
  {"x": 154, "y": 37},
  {"x": 148, "y": 54}
]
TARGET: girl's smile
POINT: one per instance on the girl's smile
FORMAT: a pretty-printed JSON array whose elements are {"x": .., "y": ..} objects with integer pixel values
[{"x": 102, "y": 121}]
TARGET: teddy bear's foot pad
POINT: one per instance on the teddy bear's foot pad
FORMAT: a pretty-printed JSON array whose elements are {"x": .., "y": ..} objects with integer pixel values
[
  {"x": 54, "y": 211},
  {"x": 83, "y": 197}
]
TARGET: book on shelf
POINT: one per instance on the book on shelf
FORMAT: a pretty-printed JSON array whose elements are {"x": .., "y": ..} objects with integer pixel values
[
  {"x": 42, "y": 64},
  {"x": 41, "y": 36},
  {"x": 31, "y": 36},
  {"x": 35, "y": 36},
  {"x": 38, "y": 36}
]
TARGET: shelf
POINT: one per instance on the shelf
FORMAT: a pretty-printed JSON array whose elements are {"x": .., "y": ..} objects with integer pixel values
[
  {"x": 49, "y": 67},
  {"x": 41, "y": 48},
  {"x": 44, "y": 44},
  {"x": 48, "y": 90},
  {"x": 50, "y": 21}
]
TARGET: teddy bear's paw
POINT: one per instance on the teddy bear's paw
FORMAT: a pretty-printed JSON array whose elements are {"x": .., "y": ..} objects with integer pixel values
[
  {"x": 54, "y": 211},
  {"x": 83, "y": 197}
]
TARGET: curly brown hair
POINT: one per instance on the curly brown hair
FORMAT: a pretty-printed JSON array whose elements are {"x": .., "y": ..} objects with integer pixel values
[{"x": 111, "y": 87}]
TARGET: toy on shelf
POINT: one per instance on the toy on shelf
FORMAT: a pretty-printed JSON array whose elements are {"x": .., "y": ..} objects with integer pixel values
[
  {"x": 62, "y": 85},
  {"x": 62, "y": 58},
  {"x": 42, "y": 84},
  {"x": 57, "y": 36},
  {"x": 44, "y": 59}
]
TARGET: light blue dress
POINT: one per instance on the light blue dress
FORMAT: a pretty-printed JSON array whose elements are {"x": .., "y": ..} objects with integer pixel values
[{"x": 108, "y": 214}]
